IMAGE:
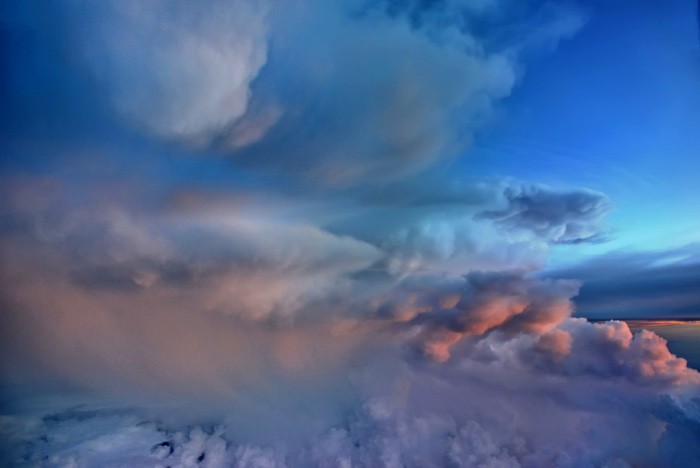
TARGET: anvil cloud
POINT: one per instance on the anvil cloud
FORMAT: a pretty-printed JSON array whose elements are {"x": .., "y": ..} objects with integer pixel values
[{"x": 232, "y": 234}]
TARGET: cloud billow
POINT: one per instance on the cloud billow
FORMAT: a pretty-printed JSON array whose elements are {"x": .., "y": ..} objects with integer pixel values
[
  {"x": 333, "y": 94},
  {"x": 568, "y": 217},
  {"x": 314, "y": 289}
]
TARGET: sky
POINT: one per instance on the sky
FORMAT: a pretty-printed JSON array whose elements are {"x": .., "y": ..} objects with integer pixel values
[
  {"x": 615, "y": 109},
  {"x": 353, "y": 233}
]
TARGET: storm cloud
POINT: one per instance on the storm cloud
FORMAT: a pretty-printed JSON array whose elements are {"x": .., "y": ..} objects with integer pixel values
[
  {"x": 244, "y": 242},
  {"x": 628, "y": 284}
]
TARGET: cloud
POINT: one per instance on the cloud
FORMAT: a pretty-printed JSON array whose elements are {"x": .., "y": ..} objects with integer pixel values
[
  {"x": 283, "y": 268},
  {"x": 504, "y": 301},
  {"x": 628, "y": 284},
  {"x": 564, "y": 218},
  {"x": 468, "y": 411},
  {"x": 178, "y": 72},
  {"x": 247, "y": 260},
  {"x": 415, "y": 99},
  {"x": 610, "y": 349},
  {"x": 235, "y": 263},
  {"x": 283, "y": 344},
  {"x": 275, "y": 85},
  {"x": 279, "y": 343},
  {"x": 459, "y": 225}
]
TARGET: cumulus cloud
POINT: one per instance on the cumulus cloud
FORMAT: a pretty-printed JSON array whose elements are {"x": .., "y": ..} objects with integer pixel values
[
  {"x": 334, "y": 94},
  {"x": 299, "y": 346},
  {"x": 181, "y": 73},
  {"x": 471, "y": 411},
  {"x": 314, "y": 299},
  {"x": 504, "y": 301},
  {"x": 415, "y": 98},
  {"x": 476, "y": 224}
]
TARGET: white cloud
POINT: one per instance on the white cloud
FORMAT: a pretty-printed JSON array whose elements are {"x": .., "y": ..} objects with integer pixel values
[{"x": 180, "y": 71}]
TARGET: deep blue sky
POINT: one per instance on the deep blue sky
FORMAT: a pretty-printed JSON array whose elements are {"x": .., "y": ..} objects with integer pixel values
[{"x": 615, "y": 108}]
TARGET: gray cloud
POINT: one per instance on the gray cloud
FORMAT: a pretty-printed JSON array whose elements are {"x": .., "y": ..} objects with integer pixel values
[
  {"x": 560, "y": 217},
  {"x": 335, "y": 94},
  {"x": 413, "y": 101},
  {"x": 342, "y": 384},
  {"x": 639, "y": 284},
  {"x": 178, "y": 72}
]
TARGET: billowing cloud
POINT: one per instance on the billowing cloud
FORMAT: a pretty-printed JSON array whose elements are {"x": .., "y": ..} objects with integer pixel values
[
  {"x": 507, "y": 224},
  {"x": 334, "y": 94},
  {"x": 495, "y": 407},
  {"x": 389, "y": 88},
  {"x": 565, "y": 217},
  {"x": 178, "y": 73},
  {"x": 496, "y": 301},
  {"x": 237, "y": 260},
  {"x": 300, "y": 346},
  {"x": 259, "y": 255},
  {"x": 398, "y": 114}
]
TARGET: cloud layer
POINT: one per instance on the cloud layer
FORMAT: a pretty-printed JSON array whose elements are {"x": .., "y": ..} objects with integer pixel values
[
  {"x": 246, "y": 245},
  {"x": 639, "y": 284}
]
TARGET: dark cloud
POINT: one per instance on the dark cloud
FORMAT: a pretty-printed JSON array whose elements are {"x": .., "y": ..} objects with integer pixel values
[
  {"x": 114, "y": 278},
  {"x": 660, "y": 284},
  {"x": 560, "y": 217}
]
